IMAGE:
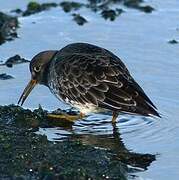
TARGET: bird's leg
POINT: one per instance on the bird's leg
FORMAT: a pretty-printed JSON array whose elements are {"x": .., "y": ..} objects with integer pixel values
[
  {"x": 66, "y": 117},
  {"x": 114, "y": 116}
]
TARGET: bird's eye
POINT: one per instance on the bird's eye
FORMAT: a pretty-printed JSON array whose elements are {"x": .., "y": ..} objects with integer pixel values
[{"x": 37, "y": 68}]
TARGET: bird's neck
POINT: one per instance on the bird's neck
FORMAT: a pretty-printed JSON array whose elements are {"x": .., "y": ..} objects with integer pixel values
[{"x": 46, "y": 72}]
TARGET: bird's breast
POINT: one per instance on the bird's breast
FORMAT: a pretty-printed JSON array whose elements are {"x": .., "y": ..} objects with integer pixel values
[
  {"x": 83, "y": 108},
  {"x": 54, "y": 85}
]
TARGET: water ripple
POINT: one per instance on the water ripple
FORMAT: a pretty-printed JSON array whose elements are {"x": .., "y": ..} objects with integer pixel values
[{"x": 135, "y": 127}]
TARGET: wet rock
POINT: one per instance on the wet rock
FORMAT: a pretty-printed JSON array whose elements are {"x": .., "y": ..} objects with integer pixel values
[
  {"x": 5, "y": 76},
  {"x": 103, "y": 6},
  {"x": 93, "y": 6},
  {"x": 34, "y": 7},
  {"x": 17, "y": 59},
  {"x": 136, "y": 4},
  {"x": 17, "y": 11},
  {"x": 8, "y": 27},
  {"x": 69, "y": 6},
  {"x": 47, "y": 6},
  {"x": 119, "y": 11},
  {"x": 27, "y": 155},
  {"x": 111, "y": 14},
  {"x": 25, "y": 118},
  {"x": 146, "y": 9},
  {"x": 100, "y": 5},
  {"x": 173, "y": 41},
  {"x": 80, "y": 20},
  {"x": 132, "y": 3},
  {"x": 31, "y": 156}
]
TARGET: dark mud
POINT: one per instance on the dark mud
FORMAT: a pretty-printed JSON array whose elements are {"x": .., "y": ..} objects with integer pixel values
[
  {"x": 26, "y": 155},
  {"x": 8, "y": 27}
]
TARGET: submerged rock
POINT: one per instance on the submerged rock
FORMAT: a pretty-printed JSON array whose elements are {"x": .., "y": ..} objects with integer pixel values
[
  {"x": 8, "y": 27},
  {"x": 5, "y": 76},
  {"x": 26, "y": 155}
]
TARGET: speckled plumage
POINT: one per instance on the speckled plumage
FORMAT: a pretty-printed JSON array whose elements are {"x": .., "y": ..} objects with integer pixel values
[{"x": 90, "y": 77}]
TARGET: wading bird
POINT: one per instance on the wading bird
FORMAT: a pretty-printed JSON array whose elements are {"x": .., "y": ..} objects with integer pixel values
[{"x": 89, "y": 78}]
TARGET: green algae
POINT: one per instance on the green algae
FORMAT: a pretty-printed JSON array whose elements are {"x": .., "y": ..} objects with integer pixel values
[{"x": 34, "y": 7}]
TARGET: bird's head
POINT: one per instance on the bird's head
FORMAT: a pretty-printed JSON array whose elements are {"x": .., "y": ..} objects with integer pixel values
[{"x": 38, "y": 66}]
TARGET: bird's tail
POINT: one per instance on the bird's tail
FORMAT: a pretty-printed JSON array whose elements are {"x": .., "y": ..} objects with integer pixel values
[{"x": 147, "y": 110}]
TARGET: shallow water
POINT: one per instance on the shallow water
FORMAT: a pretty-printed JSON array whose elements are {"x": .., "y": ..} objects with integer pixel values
[{"x": 140, "y": 40}]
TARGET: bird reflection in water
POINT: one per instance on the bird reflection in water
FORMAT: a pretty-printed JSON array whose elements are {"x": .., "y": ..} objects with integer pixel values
[{"x": 114, "y": 144}]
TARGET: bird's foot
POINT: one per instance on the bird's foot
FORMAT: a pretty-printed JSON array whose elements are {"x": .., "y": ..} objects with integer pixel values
[{"x": 67, "y": 117}]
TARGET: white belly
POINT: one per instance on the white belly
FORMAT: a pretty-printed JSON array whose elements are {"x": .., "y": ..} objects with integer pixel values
[{"x": 83, "y": 108}]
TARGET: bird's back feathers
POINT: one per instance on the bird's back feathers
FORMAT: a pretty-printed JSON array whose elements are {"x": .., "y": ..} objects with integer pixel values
[{"x": 88, "y": 74}]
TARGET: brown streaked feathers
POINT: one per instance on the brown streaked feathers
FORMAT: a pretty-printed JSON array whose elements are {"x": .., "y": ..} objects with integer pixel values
[{"x": 86, "y": 73}]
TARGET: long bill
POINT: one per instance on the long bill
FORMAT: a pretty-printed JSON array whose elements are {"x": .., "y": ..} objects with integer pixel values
[{"x": 27, "y": 91}]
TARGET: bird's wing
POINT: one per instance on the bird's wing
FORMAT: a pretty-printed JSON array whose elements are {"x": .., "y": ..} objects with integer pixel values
[{"x": 103, "y": 81}]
